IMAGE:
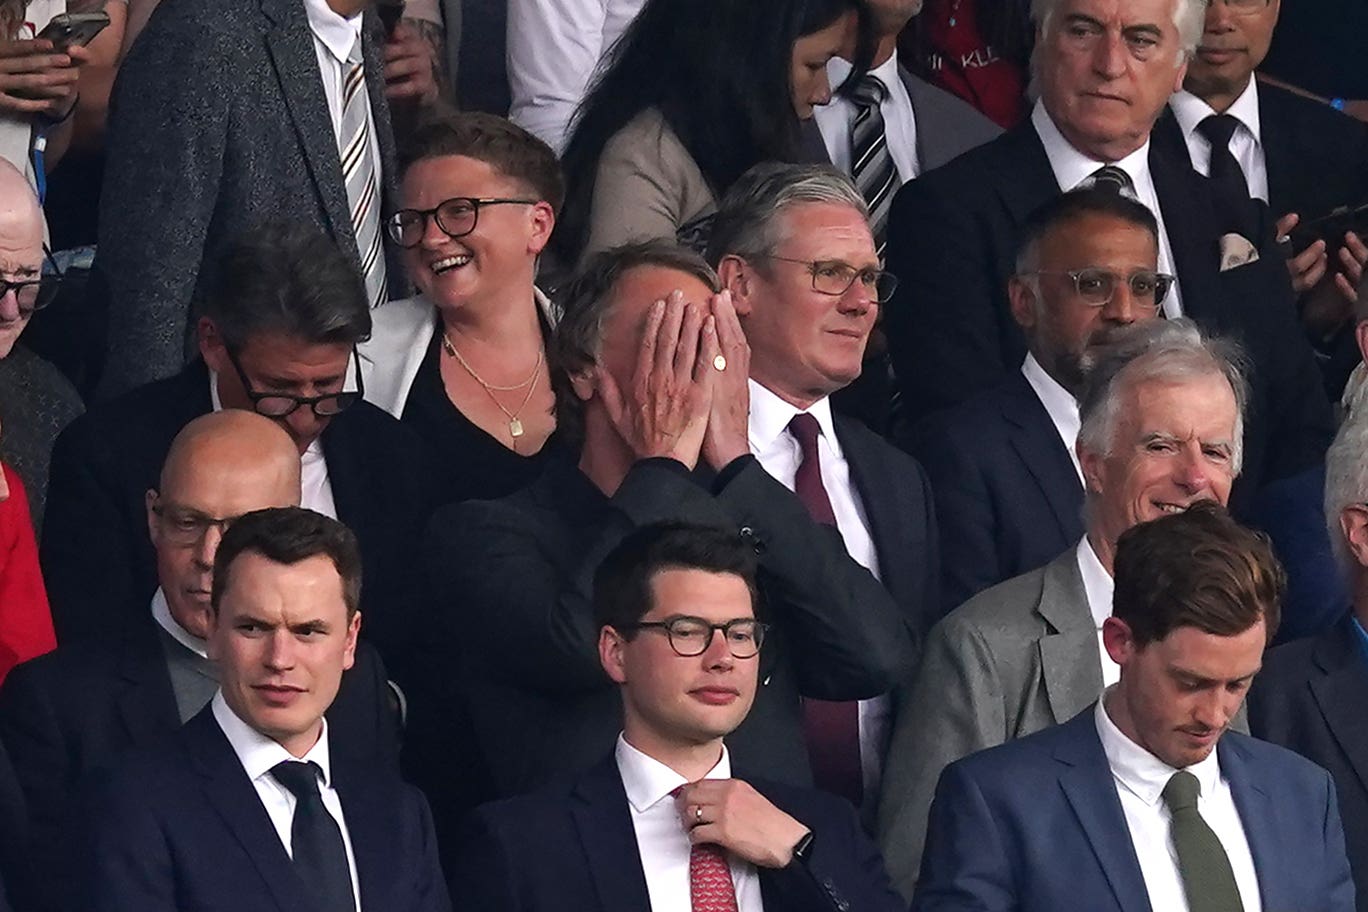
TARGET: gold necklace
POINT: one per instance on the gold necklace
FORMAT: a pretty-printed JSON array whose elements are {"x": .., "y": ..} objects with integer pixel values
[{"x": 515, "y": 425}]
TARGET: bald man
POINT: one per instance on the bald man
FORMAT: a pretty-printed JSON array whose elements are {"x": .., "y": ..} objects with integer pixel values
[
  {"x": 75, "y": 710},
  {"x": 37, "y": 400}
]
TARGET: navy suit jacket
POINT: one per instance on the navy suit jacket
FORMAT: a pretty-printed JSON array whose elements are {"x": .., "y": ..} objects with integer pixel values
[
  {"x": 1008, "y": 499},
  {"x": 180, "y": 826},
  {"x": 1310, "y": 698},
  {"x": 1036, "y": 825},
  {"x": 98, "y": 560},
  {"x": 573, "y": 847},
  {"x": 951, "y": 333}
]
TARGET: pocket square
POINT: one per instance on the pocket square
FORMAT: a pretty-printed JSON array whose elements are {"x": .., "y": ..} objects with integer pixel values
[{"x": 1236, "y": 251}]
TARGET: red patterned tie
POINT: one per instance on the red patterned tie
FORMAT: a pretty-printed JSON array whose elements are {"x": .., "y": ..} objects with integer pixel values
[
  {"x": 710, "y": 880},
  {"x": 832, "y": 730}
]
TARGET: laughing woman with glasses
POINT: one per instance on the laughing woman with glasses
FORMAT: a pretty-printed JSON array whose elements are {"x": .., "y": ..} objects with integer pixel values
[{"x": 464, "y": 362}]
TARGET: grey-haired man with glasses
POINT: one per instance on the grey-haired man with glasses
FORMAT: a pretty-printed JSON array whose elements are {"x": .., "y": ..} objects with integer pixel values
[{"x": 793, "y": 245}]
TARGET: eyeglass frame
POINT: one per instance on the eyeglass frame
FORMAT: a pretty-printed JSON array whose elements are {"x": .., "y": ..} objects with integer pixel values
[
  {"x": 477, "y": 203},
  {"x": 311, "y": 401},
  {"x": 203, "y": 521},
  {"x": 1076, "y": 274},
  {"x": 761, "y": 629},
  {"x": 812, "y": 266},
  {"x": 53, "y": 279}
]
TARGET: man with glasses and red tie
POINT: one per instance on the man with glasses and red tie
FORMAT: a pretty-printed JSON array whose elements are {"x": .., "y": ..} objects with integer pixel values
[
  {"x": 278, "y": 336},
  {"x": 667, "y": 822}
]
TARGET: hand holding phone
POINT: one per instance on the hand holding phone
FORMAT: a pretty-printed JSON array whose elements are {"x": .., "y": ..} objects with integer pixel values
[{"x": 67, "y": 30}]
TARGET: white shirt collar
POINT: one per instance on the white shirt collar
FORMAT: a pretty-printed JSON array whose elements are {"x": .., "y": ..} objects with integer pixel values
[
  {"x": 1060, "y": 405},
  {"x": 1140, "y": 772},
  {"x": 1071, "y": 167},
  {"x": 770, "y": 417},
  {"x": 647, "y": 781},
  {"x": 1097, "y": 583},
  {"x": 161, "y": 611},
  {"x": 838, "y": 71},
  {"x": 1189, "y": 110},
  {"x": 338, "y": 34},
  {"x": 258, "y": 753}
]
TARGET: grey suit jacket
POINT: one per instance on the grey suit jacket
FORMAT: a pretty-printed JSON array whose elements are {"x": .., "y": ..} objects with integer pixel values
[
  {"x": 218, "y": 122},
  {"x": 946, "y": 126},
  {"x": 1015, "y": 659}
]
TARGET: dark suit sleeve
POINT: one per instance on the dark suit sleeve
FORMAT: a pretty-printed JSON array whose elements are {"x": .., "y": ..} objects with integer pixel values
[
  {"x": 170, "y": 116},
  {"x": 483, "y": 868},
  {"x": 943, "y": 332},
  {"x": 432, "y": 893},
  {"x": 1339, "y": 878},
  {"x": 86, "y": 557},
  {"x": 965, "y": 866},
  {"x": 126, "y": 860},
  {"x": 851, "y": 639},
  {"x": 843, "y": 871}
]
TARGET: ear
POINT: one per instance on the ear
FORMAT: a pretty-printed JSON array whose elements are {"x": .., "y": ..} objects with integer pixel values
[
  {"x": 543, "y": 223},
  {"x": 211, "y": 642},
  {"x": 1118, "y": 640},
  {"x": 1092, "y": 464},
  {"x": 211, "y": 347},
  {"x": 153, "y": 527},
  {"x": 353, "y": 631},
  {"x": 611, "y": 655},
  {"x": 734, "y": 274},
  {"x": 1354, "y": 526},
  {"x": 582, "y": 382},
  {"x": 1022, "y": 299},
  {"x": 1180, "y": 75}
]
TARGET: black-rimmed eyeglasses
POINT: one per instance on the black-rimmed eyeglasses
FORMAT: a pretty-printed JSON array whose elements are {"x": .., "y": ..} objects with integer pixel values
[
  {"x": 691, "y": 636},
  {"x": 1096, "y": 287},
  {"x": 457, "y": 217},
  {"x": 278, "y": 405},
  {"x": 35, "y": 294},
  {"x": 834, "y": 277}
]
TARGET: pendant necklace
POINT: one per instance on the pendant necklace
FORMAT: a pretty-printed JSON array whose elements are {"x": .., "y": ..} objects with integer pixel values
[{"x": 515, "y": 425}]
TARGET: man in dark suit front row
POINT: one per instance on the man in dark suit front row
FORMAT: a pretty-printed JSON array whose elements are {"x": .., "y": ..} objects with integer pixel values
[
  {"x": 1144, "y": 800},
  {"x": 250, "y": 806},
  {"x": 663, "y": 823}
]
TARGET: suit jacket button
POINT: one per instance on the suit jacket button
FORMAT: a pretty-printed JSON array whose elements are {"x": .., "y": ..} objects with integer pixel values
[{"x": 748, "y": 535}]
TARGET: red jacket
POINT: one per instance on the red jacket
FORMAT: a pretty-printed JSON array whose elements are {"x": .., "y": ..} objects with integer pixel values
[{"x": 25, "y": 621}]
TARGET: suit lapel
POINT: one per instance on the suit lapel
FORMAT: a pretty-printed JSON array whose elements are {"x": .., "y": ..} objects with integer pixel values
[
  {"x": 1091, "y": 792},
  {"x": 343, "y": 453},
  {"x": 1024, "y": 179},
  {"x": 1042, "y": 452},
  {"x": 883, "y": 508},
  {"x": 605, "y": 826},
  {"x": 234, "y": 799},
  {"x": 147, "y": 703},
  {"x": 1192, "y": 229},
  {"x": 290, "y": 44},
  {"x": 1280, "y": 156},
  {"x": 1339, "y": 694},
  {"x": 1069, "y": 659},
  {"x": 1259, "y": 818}
]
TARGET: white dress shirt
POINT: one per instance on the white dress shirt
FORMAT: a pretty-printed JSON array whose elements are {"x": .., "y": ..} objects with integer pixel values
[
  {"x": 1246, "y": 143},
  {"x": 258, "y": 754},
  {"x": 161, "y": 613},
  {"x": 900, "y": 123},
  {"x": 1059, "y": 404},
  {"x": 779, "y": 454},
  {"x": 1071, "y": 167},
  {"x": 554, "y": 49},
  {"x": 662, "y": 841},
  {"x": 1140, "y": 779},
  {"x": 1099, "y": 586},
  {"x": 315, "y": 490},
  {"x": 334, "y": 37}
]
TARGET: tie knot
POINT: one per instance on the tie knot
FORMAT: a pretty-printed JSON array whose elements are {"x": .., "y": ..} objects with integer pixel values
[
  {"x": 1181, "y": 792},
  {"x": 354, "y": 56},
  {"x": 870, "y": 92},
  {"x": 300, "y": 777},
  {"x": 805, "y": 430},
  {"x": 1218, "y": 128},
  {"x": 1112, "y": 178}
]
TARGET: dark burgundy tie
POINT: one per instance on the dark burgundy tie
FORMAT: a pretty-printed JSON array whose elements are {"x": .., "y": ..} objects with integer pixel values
[{"x": 832, "y": 729}]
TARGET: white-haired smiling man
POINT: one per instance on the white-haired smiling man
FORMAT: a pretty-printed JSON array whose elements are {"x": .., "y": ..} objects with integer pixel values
[{"x": 1162, "y": 421}]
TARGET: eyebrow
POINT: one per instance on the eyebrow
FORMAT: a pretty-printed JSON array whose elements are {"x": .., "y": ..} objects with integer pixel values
[{"x": 1180, "y": 672}]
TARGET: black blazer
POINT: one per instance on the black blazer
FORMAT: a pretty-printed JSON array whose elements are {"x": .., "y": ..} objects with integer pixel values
[
  {"x": 95, "y": 548},
  {"x": 1008, "y": 499},
  {"x": 951, "y": 334},
  {"x": 217, "y": 123},
  {"x": 573, "y": 847},
  {"x": 513, "y": 640},
  {"x": 77, "y": 710},
  {"x": 180, "y": 826},
  {"x": 1310, "y": 698}
]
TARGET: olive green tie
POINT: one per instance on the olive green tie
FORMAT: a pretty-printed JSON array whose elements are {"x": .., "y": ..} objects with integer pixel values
[{"x": 1208, "y": 879}]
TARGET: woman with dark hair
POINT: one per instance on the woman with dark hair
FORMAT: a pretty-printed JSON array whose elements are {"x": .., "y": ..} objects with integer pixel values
[{"x": 695, "y": 93}]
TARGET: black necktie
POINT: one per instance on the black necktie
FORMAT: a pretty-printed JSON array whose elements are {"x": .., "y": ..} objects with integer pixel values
[
  {"x": 1225, "y": 171},
  {"x": 1208, "y": 880},
  {"x": 1110, "y": 177},
  {"x": 320, "y": 857}
]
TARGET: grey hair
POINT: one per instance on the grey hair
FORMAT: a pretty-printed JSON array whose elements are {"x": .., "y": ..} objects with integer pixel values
[
  {"x": 1189, "y": 17},
  {"x": 747, "y": 219},
  {"x": 1346, "y": 480},
  {"x": 1162, "y": 350}
]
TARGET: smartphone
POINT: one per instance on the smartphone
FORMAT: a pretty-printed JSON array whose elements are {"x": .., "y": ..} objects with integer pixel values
[
  {"x": 1331, "y": 228},
  {"x": 74, "y": 29}
]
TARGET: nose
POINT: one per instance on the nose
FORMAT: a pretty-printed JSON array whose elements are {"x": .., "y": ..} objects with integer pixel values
[
  {"x": 280, "y": 650},
  {"x": 1216, "y": 708},
  {"x": 207, "y": 547},
  {"x": 1109, "y": 56},
  {"x": 821, "y": 89},
  {"x": 718, "y": 654},
  {"x": 1120, "y": 310},
  {"x": 1219, "y": 18},
  {"x": 9, "y": 306},
  {"x": 857, "y": 300},
  {"x": 1191, "y": 471},
  {"x": 433, "y": 236},
  {"x": 304, "y": 426}
]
